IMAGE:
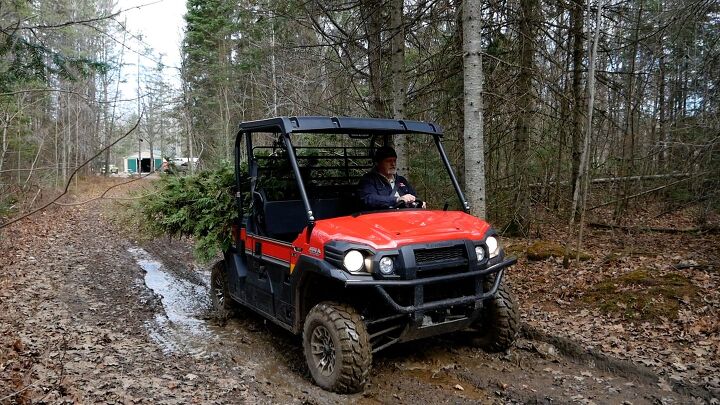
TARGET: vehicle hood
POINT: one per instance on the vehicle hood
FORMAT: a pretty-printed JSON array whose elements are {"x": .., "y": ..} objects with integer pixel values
[{"x": 387, "y": 230}]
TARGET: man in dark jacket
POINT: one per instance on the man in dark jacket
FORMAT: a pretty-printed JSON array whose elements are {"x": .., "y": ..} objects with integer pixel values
[{"x": 382, "y": 187}]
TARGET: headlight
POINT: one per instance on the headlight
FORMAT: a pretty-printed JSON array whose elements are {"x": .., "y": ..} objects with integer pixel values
[
  {"x": 480, "y": 253},
  {"x": 353, "y": 261},
  {"x": 493, "y": 246},
  {"x": 387, "y": 266}
]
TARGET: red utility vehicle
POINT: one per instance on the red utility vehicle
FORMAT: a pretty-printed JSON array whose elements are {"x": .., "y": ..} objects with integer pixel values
[{"x": 306, "y": 257}]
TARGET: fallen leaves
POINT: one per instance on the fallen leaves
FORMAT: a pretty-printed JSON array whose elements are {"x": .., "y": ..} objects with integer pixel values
[
  {"x": 18, "y": 346},
  {"x": 651, "y": 298},
  {"x": 72, "y": 324}
]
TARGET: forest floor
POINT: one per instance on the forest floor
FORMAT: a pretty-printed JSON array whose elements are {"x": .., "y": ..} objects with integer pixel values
[{"x": 89, "y": 312}]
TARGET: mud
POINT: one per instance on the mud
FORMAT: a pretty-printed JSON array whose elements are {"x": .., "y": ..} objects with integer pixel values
[{"x": 88, "y": 315}]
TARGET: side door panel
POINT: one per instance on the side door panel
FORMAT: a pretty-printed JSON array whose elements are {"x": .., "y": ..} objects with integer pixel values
[{"x": 267, "y": 282}]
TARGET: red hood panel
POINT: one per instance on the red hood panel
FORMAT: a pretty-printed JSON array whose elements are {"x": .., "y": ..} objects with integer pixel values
[{"x": 387, "y": 230}]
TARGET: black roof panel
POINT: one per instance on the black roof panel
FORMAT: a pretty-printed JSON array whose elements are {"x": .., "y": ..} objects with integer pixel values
[{"x": 349, "y": 125}]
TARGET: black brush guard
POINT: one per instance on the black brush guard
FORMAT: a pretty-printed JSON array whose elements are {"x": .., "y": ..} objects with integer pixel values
[
  {"x": 420, "y": 306},
  {"x": 415, "y": 324}
]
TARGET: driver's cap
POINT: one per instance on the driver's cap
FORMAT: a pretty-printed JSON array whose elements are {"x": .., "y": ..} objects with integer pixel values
[{"x": 383, "y": 153}]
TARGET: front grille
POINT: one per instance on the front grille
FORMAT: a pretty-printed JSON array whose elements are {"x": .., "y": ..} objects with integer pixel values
[{"x": 440, "y": 255}]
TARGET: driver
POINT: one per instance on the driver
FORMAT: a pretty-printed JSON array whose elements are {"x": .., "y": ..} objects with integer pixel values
[{"x": 382, "y": 187}]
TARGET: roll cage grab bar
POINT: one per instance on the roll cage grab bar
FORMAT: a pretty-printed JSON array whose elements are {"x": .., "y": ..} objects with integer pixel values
[{"x": 278, "y": 129}]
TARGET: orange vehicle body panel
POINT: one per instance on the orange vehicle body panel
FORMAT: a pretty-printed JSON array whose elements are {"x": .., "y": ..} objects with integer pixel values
[
  {"x": 270, "y": 248},
  {"x": 393, "y": 229},
  {"x": 380, "y": 230}
]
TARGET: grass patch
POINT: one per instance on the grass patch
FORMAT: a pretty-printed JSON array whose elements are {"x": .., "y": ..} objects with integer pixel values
[{"x": 642, "y": 295}]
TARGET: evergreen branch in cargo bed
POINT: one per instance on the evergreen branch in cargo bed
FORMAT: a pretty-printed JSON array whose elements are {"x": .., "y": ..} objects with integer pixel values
[{"x": 201, "y": 206}]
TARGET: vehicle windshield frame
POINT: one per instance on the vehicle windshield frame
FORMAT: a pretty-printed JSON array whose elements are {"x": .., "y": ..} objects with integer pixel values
[{"x": 286, "y": 127}]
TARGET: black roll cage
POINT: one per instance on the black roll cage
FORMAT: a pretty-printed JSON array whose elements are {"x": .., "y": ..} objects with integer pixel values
[{"x": 286, "y": 126}]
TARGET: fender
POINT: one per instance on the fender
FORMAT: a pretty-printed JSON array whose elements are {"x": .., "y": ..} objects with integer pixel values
[
  {"x": 306, "y": 267},
  {"x": 237, "y": 270}
]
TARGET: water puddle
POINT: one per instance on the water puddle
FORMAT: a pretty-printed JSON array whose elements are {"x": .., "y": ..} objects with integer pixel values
[
  {"x": 182, "y": 327},
  {"x": 186, "y": 326}
]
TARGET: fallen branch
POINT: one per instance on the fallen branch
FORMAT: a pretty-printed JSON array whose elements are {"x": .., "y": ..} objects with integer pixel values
[
  {"x": 652, "y": 190},
  {"x": 69, "y": 180},
  {"x": 706, "y": 229},
  {"x": 602, "y": 180},
  {"x": 645, "y": 177},
  {"x": 25, "y": 388}
]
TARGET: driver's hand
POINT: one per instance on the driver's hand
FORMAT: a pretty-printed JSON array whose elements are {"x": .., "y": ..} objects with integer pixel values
[
  {"x": 424, "y": 205},
  {"x": 407, "y": 198}
]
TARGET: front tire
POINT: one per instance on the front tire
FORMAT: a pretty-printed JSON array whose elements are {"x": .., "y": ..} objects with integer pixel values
[
  {"x": 337, "y": 347},
  {"x": 499, "y": 322}
]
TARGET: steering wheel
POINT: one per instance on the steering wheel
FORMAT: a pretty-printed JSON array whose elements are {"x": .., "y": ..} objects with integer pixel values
[{"x": 414, "y": 204}]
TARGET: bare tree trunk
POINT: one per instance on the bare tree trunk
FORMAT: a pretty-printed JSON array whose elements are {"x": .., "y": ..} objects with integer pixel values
[
  {"x": 106, "y": 119},
  {"x": 4, "y": 143},
  {"x": 520, "y": 223},
  {"x": 580, "y": 196},
  {"x": 473, "y": 111},
  {"x": 187, "y": 119},
  {"x": 398, "y": 77},
  {"x": 152, "y": 156},
  {"x": 66, "y": 138},
  {"x": 162, "y": 138},
  {"x": 628, "y": 143},
  {"x": 34, "y": 162},
  {"x": 664, "y": 133},
  {"x": 110, "y": 128},
  {"x": 77, "y": 139},
  {"x": 576, "y": 32},
  {"x": 563, "y": 133},
  {"x": 228, "y": 134},
  {"x": 371, "y": 12},
  {"x": 273, "y": 67},
  {"x": 57, "y": 154}
]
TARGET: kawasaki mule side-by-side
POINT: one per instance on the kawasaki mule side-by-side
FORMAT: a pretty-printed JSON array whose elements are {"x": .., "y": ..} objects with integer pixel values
[{"x": 306, "y": 256}]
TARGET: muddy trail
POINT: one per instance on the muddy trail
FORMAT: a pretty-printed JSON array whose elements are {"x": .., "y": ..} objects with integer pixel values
[{"x": 89, "y": 314}]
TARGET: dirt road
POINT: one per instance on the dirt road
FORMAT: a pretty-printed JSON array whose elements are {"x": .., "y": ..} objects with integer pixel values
[{"x": 87, "y": 314}]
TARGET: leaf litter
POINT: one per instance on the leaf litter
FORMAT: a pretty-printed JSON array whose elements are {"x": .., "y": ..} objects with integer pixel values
[{"x": 653, "y": 298}]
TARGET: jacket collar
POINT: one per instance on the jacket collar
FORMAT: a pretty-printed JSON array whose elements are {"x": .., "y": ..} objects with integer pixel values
[{"x": 382, "y": 176}]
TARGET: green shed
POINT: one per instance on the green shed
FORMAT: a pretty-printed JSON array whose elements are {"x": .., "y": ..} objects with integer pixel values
[{"x": 146, "y": 164}]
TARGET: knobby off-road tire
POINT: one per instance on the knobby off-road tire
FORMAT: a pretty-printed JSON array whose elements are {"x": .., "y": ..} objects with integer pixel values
[
  {"x": 337, "y": 347},
  {"x": 499, "y": 323},
  {"x": 223, "y": 306}
]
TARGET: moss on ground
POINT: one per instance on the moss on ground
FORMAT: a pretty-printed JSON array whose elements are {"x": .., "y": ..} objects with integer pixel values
[
  {"x": 514, "y": 249},
  {"x": 642, "y": 294}
]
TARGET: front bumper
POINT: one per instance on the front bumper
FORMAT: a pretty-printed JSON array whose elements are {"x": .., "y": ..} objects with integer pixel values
[{"x": 419, "y": 305}]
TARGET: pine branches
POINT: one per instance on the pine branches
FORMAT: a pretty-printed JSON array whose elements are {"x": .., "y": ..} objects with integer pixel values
[{"x": 201, "y": 206}]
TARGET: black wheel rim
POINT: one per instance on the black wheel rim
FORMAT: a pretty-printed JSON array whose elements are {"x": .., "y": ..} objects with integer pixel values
[{"x": 323, "y": 350}]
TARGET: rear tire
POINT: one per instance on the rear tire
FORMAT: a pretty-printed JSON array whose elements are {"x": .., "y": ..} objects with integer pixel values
[
  {"x": 499, "y": 322},
  {"x": 223, "y": 306},
  {"x": 337, "y": 347}
]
